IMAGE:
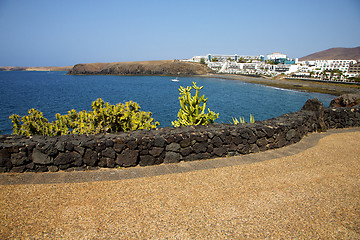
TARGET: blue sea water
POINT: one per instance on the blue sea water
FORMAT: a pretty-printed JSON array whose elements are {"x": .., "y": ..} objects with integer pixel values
[{"x": 56, "y": 92}]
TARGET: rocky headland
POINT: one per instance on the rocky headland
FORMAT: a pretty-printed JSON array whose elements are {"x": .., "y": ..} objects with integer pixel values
[
  {"x": 66, "y": 68},
  {"x": 164, "y": 67}
]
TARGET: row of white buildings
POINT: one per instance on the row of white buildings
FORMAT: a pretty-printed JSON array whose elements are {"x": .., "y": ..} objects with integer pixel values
[{"x": 278, "y": 63}]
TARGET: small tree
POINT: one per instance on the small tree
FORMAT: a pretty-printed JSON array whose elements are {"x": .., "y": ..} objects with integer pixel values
[
  {"x": 192, "y": 111},
  {"x": 202, "y": 60}
]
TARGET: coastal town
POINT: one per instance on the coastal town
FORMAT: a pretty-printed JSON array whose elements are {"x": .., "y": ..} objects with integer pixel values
[{"x": 278, "y": 64}]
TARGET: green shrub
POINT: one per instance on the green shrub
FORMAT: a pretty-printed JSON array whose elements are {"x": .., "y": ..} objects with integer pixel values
[
  {"x": 103, "y": 118},
  {"x": 192, "y": 111}
]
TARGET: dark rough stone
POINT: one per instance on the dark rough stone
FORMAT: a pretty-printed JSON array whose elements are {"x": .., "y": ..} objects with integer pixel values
[
  {"x": 89, "y": 144},
  {"x": 236, "y": 140},
  {"x": 290, "y": 134},
  {"x": 261, "y": 142},
  {"x": 127, "y": 158},
  {"x": 131, "y": 145},
  {"x": 18, "y": 158},
  {"x": 90, "y": 157},
  {"x": 216, "y": 142},
  {"x": 314, "y": 105},
  {"x": 246, "y": 133},
  {"x": 185, "y": 142},
  {"x": 4, "y": 157},
  {"x": 281, "y": 141},
  {"x": 200, "y": 147},
  {"x": 81, "y": 168},
  {"x": 159, "y": 141},
  {"x": 173, "y": 139},
  {"x": 173, "y": 147},
  {"x": 147, "y": 160},
  {"x": 210, "y": 148},
  {"x": 109, "y": 153},
  {"x": 156, "y": 151},
  {"x": 106, "y": 162},
  {"x": 192, "y": 157},
  {"x": 245, "y": 149},
  {"x": 253, "y": 138},
  {"x": 201, "y": 138},
  {"x": 69, "y": 146},
  {"x": 186, "y": 151},
  {"x": 18, "y": 169},
  {"x": 345, "y": 100},
  {"x": 67, "y": 168},
  {"x": 172, "y": 157},
  {"x": 41, "y": 158},
  {"x": 68, "y": 158},
  {"x": 30, "y": 165},
  {"x": 100, "y": 146},
  {"x": 109, "y": 143},
  {"x": 53, "y": 168},
  {"x": 205, "y": 155},
  {"x": 220, "y": 151},
  {"x": 60, "y": 146},
  {"x": 80, "y": 150},
  {"x": 232, "y": 147},
  {"x": 254, "y": 148},
  {"x": 118, "y": 147},
  {"x": 144, "y": 152},
  {"x": 41, "y": 168},
  {"x": 269, "y": 131},
  {"x": 260, "y": 133}
]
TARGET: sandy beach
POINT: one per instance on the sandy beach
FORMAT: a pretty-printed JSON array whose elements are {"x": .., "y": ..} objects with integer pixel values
[{"x": 301, "y": 85}]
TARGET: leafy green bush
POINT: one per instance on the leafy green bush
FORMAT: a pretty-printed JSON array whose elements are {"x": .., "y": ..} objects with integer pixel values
[
  {"x": 191, "y": 111},
  {"x": 103, "y": 118}
]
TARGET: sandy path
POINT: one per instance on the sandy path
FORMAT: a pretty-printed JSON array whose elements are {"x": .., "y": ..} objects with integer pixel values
[{"x": 311, "y": 195}]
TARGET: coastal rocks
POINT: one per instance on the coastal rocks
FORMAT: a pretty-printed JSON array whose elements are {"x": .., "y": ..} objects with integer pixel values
[
  {"x": 346, "y": 100},
  {"x": 168, "y": 145},
  {"x": 316, "y": 106}
]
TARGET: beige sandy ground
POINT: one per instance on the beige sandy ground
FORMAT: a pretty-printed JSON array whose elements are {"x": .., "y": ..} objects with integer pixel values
[{"x": 311, "y": 195}]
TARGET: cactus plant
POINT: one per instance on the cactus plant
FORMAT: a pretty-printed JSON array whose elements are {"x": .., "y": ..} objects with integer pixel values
[
  {"x": 192, "y": 111},
  {"x": 104, "y": 118}
]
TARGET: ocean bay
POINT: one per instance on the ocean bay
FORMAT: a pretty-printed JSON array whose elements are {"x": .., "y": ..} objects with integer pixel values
[{"x": 56, "y": 92}]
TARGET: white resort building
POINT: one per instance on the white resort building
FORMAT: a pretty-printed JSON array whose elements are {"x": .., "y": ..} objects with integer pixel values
[{"x": 280, "y": 64}]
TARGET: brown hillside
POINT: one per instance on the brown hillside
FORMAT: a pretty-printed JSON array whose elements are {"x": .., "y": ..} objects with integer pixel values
[
  {"x": 334, "y": 53},
  {"x": 164, "y": 67}
]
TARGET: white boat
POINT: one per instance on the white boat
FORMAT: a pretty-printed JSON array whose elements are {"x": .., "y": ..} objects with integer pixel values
[{"x": 175, "y": 79}]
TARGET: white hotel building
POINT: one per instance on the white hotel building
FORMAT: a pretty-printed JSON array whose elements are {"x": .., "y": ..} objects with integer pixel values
[{"x": 322, "y": 65}]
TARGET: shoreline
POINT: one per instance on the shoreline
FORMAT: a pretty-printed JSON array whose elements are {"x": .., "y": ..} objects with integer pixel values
[{"x": 335, "y": 89}]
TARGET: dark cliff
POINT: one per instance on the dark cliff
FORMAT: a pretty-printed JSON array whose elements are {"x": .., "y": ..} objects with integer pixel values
[{"x": 167, "y": 67}]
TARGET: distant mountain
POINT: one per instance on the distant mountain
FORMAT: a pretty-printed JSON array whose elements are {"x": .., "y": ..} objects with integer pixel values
[{"x": 334, "y": 53}]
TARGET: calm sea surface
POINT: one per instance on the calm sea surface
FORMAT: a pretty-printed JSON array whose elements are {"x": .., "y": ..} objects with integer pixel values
[{"x": 56, "y": 92}]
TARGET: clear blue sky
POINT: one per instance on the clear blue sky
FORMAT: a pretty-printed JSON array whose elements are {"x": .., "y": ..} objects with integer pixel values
[{"x": 60, "y": 33}]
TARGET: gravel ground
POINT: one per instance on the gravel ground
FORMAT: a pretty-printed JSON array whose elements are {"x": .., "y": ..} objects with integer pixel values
[{"x": 311, "y": 195}]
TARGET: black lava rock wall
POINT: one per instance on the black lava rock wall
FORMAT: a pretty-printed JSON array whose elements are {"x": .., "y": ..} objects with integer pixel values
[{"x": 168, "y": 145}]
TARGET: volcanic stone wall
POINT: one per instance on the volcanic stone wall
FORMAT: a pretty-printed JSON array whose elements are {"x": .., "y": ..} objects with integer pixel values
[{"x": 167, "y": 145}]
